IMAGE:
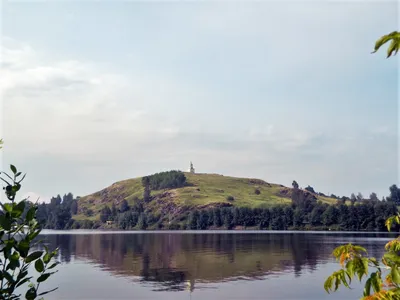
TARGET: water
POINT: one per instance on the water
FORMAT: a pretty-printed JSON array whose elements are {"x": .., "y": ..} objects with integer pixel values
[{"x": 201, "y": 265}]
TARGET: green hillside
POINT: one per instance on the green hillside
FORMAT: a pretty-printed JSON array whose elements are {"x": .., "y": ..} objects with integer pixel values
[{"x": 202, "y": 191}]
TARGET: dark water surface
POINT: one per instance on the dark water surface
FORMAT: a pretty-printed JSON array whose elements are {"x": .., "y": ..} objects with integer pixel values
[{"x": 201, "y": 265}]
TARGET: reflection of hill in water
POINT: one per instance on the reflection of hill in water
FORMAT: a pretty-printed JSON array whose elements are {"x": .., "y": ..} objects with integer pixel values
[{"x": 172, "y": 260}]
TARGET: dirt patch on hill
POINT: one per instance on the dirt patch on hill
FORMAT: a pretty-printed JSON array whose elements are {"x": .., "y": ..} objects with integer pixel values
[
  {"x": 287, "y": 193},
  {"x": 166, "y": 202},
  {"x": 167, "y": 205},
  {"x": 113, "y": 194}
]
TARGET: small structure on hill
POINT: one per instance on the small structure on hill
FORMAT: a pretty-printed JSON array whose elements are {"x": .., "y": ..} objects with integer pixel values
[{"x": 191, "y": 169}]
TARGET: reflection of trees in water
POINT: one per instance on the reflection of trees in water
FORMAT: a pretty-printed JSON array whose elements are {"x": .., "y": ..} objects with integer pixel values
[
  {"x": 304, "y": 252},
  {"x": 66, "y": 243},
  {"x": 169, "y": 279},
  {"x": 175, "y": 261}
]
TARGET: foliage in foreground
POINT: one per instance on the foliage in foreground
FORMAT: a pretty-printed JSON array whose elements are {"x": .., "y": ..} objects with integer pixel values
[
  {"x": 384, "y": 282},
  {"x": 18, "y": 230},
  {"x": 394, "y": 46}
]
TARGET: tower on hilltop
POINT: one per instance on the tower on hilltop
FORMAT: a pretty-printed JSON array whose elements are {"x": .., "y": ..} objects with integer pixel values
[{"x": 191, "y": 169}]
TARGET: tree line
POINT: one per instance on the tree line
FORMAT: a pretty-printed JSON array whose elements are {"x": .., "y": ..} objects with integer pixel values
[
  {"x": 368, "y": 216},
  {"x": 393, "y": 196},
  {"x": 304, "y": 213},
  {"x": 58, "y": 213}
]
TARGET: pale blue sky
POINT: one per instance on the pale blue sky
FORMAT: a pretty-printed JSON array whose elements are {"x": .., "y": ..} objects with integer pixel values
[{"x": 96, "y": 92}]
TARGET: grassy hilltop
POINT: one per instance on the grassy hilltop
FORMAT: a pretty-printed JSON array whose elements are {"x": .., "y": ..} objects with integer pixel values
[{"x": 201, "y": 191}]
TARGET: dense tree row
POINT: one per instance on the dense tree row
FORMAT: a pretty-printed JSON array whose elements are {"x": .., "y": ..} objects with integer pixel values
[
  {"x": 165, "y": 180},
  {"x": 58, "y": 213},
  {"x": 394, "y": 194},
  {"x": 304, "y": 213},
  {"x": 368, "y": 216}
]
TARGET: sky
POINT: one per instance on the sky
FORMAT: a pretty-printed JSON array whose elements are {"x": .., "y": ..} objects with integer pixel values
[{"x": 93, "y": 92}]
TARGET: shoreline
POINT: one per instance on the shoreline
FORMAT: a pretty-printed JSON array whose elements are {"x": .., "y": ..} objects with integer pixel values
[{"x": 119, "y": 231}]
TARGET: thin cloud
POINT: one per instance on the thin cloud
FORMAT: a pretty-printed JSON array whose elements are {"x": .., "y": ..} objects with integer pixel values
[{"x": 267, "y": 90}]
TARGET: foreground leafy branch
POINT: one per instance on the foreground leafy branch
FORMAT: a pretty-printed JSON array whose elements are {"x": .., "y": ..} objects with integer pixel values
[
  {"x": 383, "y": 283},
  {"x": 18, "y": 231},
  {"x": 384, "y": 279},
  {"x": 394, "y": 46}
]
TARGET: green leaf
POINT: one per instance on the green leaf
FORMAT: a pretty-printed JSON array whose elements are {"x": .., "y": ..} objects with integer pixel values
[
  {"x": 343, "y": 278},
  {"x": 393, "y": 47},
  {"x": 21, "y": 205},
  {"x": 8, "y": 207},
  {"x": 44, "y": 293},
  {"x": 367, "y": 288},
  {"x": 33, "y": 256},
  {"x": 386, "y": 38},
  {"x": 14, "y": 256},
  {"x": 9, "y": 277},
  {"x": 16, "y": 187},
  {"x": 53, "y": 265},
  {"x": 13, "y": 264},
  {"x": 374, "y": 261},
  {"x": 34, "y": 234},
  {"x": 365, "y": 263},
  {"x": 18, "y": 209},
  {"x": 47, "y": 257},
  {"x": 390, "y": 221},
  {"x": 5, "y": 222},
  {"x": 43, "y": 277},
  {"x": 393, "y": 257},
  {"x": 22, "y": 274},
  {"x": 328, "y": 284},
  {"x": 337, "y": 282},
  {"x": 23, "y": 248},
  {"x": 375, "y": 282},
  {"x": 25, "y": 280},
  {"x": 350, "y": 268},
  {"x": 395, "y": 275},
  {"x": 39, "y": 266},
  {"x": 31, "y": 294},
  {"x": 13, "y": 261},
  {"x": 359, "y": 249},
  {"x": 23, "y": 177},
  {"x": 13, "y": 169},
  {"x": 31, "y": 213}
]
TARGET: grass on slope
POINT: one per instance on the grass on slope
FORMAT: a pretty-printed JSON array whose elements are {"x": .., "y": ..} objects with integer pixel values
[
  {"x": 202, "y": 189},
  {"x": 211, "y": 188}
]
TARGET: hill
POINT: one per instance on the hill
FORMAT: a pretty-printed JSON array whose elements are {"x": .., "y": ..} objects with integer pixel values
[{"x": 201, "y": 191}]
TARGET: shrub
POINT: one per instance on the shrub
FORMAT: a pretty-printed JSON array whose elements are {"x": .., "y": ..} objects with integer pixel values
[
  {"x": 174, "y": 226},
  {"x": 159, "y": 225},
  {"x": 257, "y": 192},
  {"x": 86, "y": 224},
  {"x": 88, "y": 212},
  {"x": 230, "y": 198},
  {"x": 96, "y": 225},
  {"x": 19, "y": 231},
  {"x": 76, "y": 225}
]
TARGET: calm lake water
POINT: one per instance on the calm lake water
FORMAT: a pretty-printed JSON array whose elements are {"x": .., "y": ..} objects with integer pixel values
[{"x": 200, "y": 265}]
